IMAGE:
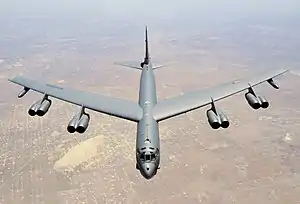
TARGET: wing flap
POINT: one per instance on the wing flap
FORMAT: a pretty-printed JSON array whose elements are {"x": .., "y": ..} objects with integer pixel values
[
  {"x": 184, "y": 103},
  {"x": 109, "y": 105}
]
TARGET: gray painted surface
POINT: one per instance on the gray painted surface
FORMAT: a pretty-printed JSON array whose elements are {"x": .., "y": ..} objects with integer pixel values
[{"x": 147, "y": 112}]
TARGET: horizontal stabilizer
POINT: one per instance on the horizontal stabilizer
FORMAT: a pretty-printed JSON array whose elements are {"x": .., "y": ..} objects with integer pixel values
[
  {"x": 134, "y": 65},
  {"x": 158, "y": 66},
  {"x": 137, "y": 65}
]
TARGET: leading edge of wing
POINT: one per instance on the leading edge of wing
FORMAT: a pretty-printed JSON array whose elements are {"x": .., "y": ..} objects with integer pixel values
[
  {"x": 177, "y": 105},
  {"x": 105, "y": 104}
]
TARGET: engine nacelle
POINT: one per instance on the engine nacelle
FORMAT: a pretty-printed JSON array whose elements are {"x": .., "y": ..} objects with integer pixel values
[
  {"x": 213, "y": 119},
  {"x": 79, "y": 124},
  {"x": 44, "y": 107},
  {"x": 252, "y": 101},
  {"x": 83, "y": 123},
  {"x": 263, "y": 101},
  {"x": 224, "y": 120},
  {"x": 33, "y": 108},
  {"x": 73, "y": 124}
]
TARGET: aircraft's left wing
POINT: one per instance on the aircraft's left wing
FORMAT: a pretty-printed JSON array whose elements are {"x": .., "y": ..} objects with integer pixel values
[
  {"x": 184, "y": 103},
  {"x": 109, "y": 105}
]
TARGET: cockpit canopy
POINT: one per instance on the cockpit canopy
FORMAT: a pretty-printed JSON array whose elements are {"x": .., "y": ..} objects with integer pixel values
[{"x": 148, "y": 156}]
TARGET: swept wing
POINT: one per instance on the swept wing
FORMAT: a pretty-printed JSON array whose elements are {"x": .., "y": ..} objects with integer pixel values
[
  {"x": 184, "y": 103},
  {"x": 104, "y": 104}
]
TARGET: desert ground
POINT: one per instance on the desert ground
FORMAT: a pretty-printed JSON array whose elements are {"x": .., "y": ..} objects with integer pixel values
[{"x": 255, "y": 160}]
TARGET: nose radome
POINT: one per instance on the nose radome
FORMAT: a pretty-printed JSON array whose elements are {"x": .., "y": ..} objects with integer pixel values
[
  {"x": 148, "y": 167},
  {"x": 148, "y": 170}
]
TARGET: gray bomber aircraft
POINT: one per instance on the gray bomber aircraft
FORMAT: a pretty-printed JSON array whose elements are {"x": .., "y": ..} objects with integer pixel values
[{"x": 148, "y": 112}]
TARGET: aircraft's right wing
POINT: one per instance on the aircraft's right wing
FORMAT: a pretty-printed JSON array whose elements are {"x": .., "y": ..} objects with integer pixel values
[
  {"x": 184, "y": 103},
  {"x": 117, "y": 107}
]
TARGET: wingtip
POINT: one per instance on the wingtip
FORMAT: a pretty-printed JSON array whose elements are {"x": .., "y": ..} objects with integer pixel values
[
  {"x": 283, "y": 71},
  {"x": 15, "y": 78}
]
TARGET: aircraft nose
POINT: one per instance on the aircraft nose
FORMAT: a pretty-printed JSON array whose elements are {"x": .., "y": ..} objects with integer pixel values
[{"x": 148, "y": 170}]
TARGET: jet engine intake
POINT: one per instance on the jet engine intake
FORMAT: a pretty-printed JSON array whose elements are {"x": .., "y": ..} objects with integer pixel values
[
  {"x": 263, "y": 101},
  {"x": 79, "y": 123},
  {"x": 44, "y": 107},
  {"x": 252, "y": 100},
  {"x": 33, "y": 108},
  {"x": 83, "y": 123},
  {"x": 224, "y": 120},
  {"x": 73, "y": 124},
  {"x": 213, "y": 119}
]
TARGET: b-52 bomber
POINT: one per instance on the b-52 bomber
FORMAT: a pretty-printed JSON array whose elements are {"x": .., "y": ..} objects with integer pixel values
[{"x": 147, "y": 112}]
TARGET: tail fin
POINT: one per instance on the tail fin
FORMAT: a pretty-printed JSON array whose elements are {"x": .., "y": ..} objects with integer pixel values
[
  {"x": 147, "y": 56},
  {"x": 140, "y": 65}
]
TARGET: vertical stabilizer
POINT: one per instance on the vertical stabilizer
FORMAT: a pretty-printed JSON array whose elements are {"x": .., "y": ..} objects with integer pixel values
[
  {"x": 138, "y": 64},
  {"x": 147, "y": 57}
]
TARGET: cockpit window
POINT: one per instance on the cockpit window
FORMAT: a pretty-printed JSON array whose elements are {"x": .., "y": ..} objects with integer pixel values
[
  {"x": 142, "y": 157},
  {"x": 148, "y": 156}
]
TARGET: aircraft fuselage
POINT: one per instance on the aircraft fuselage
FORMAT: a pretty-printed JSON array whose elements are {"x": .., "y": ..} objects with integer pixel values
[{"x": 147, "y": 141}]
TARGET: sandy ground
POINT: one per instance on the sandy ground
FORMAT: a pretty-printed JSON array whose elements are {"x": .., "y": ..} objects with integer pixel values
[{"x": 256, "y": 160}]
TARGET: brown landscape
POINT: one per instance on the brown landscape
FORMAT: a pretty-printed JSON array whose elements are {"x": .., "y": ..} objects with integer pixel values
[{"x": 256, "y": 160}]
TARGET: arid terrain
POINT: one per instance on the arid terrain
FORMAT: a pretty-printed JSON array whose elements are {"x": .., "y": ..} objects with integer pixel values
[{"x": 256, "y": 160}]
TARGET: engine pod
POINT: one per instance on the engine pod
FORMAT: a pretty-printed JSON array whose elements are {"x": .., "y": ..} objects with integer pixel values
[
  {"x": 213, "y": 119},
  {"x": 44, "y": 107},
  {"x": 224, "y": 120},
  {"x": 252, "y": 101},
  {"x": 264, "y": 102},
  {"x": 83, "y": 123},
  {"x": 33, "y": 108},
  {"x": 73, "y": 124}
]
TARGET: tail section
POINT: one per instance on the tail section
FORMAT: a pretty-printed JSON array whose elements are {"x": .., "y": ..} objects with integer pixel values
[
  {"x": 137, "y": 65},
  {"x": 147, "y": 56},
  {"x": 134, "y": 65},
  {"x": 158, "y": 66},
  {"x": 140, "y": 65}
]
